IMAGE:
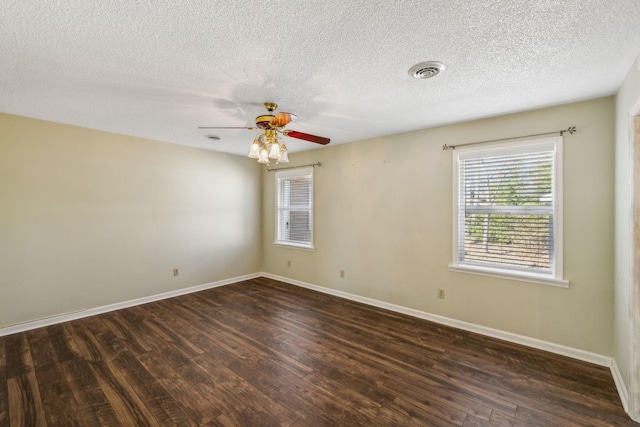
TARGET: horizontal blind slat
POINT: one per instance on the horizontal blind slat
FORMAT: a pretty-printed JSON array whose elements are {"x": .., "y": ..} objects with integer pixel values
[
  {"x": 294, "y": 222},
  {"x": 506, "y": 210}
]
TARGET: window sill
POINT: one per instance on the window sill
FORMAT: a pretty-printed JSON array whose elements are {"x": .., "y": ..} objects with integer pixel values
[
  {"x": 519, "y": 276},
  {"x": 294, "y": 246}
]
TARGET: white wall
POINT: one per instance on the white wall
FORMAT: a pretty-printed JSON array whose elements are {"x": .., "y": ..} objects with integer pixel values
[
  {"x": 383, "y": 213},
  {"x": 627, "y": 104},
  {"x": 89, "y": 218}
]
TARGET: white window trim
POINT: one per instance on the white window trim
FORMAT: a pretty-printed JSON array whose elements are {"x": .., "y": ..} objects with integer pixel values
[
  {"x": 295, "y": 246},
  {"x": 554, "y": 279},
  {"x": 289, "y": 173}
]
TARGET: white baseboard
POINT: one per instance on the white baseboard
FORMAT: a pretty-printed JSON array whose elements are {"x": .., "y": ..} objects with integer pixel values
[
  {"x": 27, "y": 326},
  {"x": 495, "y": 333},
  {"x": 620, "y": 385}
]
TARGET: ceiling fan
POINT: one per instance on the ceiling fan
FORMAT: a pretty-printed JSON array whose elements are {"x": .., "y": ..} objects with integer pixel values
[{"x": 266, "y": 146}]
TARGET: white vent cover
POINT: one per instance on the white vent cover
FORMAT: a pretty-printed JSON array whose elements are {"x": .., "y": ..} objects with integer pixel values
[{"x": 426, "y": 70}]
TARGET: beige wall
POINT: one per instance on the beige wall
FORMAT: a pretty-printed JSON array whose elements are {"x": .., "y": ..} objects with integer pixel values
[
  {"x": 383, "y": 213},
  {"x": 625, "y": 313},
  {"x": 89, "y": 218}
]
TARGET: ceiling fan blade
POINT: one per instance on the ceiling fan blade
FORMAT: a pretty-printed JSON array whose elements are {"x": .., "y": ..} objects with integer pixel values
[
  {"x": 307, "y": 137},
  {"x": 282, "y": 119},
  {"x": 227, "y": 127}
]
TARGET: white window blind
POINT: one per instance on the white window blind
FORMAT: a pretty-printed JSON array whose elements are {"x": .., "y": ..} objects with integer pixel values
[
  {"x": 294, "y": 207},
  {"x": 508, "y": 208}
]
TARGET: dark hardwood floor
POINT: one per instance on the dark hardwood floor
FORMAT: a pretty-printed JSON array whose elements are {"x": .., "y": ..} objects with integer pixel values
[{"x": 263, "y": 353}]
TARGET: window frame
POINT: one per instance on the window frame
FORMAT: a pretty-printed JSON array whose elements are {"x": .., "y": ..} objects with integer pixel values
[
  {"x": 555, "y": 277},
  {"x": 279, "y": 177}
]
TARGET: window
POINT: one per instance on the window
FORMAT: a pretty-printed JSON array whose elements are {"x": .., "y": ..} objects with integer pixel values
[
  {"x": 508, "y": 210},
  {"x": 294, "y": 207}
]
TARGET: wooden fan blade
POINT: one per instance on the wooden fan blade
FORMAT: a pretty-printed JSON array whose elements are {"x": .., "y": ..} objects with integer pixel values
[
  {"x": 226, "y": 127},
  {"x": 307, "y": 137}
]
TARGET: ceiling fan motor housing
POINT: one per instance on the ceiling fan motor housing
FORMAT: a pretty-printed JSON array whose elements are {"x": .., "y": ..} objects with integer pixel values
[
  {"x": 273, "y": 124},
  {"x": 264, "y": 121}
]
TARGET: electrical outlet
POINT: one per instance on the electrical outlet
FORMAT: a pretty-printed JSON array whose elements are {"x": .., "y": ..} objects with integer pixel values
[
  {"x": 441, "y": 293},
  {"x": 342, "y": 274},
  {"x": 176, "y": 272},
  {"x": 289, "y": 263}
]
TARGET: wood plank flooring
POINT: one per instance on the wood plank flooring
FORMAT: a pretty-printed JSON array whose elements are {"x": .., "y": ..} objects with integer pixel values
[{"x": 265, "y": 353}]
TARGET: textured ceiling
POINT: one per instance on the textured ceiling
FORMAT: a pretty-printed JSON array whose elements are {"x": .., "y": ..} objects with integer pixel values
[{"x": 160, "y": 68}]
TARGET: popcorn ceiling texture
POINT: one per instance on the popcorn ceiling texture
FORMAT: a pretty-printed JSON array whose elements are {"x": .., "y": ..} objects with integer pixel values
[{"x": 159, "y": 69}]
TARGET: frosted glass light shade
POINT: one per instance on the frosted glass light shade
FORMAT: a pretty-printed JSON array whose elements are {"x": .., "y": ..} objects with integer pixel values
[
  {"x": 284, "y": 155},
  {"x": 274, "y": 151},
  {"x": 264, "y": 155},
  {"x": 254, "y": 153}
]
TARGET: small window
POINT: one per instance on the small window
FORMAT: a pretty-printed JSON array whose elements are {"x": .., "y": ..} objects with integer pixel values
[
  {"x": 508, "y": 210},
  {"x": 294, "y": 207}
]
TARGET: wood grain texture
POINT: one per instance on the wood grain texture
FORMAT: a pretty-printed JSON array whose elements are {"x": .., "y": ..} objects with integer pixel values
[{"x": 265, "y": 353}]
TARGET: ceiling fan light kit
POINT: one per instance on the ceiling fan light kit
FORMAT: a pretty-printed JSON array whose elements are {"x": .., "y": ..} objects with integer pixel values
[{"x": 267, "y": 145}]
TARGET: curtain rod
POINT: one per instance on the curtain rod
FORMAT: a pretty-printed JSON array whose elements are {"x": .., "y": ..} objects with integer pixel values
[
  {"x": 294, "y": 167},
  {"x": 570, "y": 130}
]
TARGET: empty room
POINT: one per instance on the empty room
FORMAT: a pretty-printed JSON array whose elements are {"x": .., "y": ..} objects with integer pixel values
[{"x": 280, "y": 213}]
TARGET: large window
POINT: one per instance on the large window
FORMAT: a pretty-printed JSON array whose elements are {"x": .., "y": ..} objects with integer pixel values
[
  {"x": 508, "y": 210},
  {"x": 294, "y": 207}
]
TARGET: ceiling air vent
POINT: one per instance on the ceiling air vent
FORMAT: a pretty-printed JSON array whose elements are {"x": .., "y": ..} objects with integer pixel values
[{"x": 426, "y": 70}]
